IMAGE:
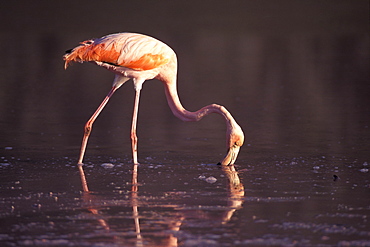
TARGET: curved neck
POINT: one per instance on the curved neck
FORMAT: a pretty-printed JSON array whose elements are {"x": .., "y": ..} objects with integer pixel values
[
  {"x": 179, "y": 111},
  {"x": 234, "y": 134}
]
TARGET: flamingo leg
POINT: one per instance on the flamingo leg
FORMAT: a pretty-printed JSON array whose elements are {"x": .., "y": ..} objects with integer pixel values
[
  {"x": 88, "y": 128},
  {"x": 133, "y": 126}
]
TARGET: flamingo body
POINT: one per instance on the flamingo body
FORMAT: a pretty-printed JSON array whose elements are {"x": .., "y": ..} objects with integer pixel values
[
  {"x": 134, "y": 51},
  {"x": 140, "y": 57}
]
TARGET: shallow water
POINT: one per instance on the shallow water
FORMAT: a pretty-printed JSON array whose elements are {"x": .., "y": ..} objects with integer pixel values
[
  {"x": 298, "y": 86},
  {"x": 286, "y": 202}
]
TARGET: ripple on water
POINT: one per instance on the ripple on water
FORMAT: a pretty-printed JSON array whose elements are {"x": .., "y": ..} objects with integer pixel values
[{"x": 324, "y": 228}]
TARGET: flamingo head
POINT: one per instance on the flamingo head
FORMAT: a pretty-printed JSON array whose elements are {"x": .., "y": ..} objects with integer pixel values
[{"x": 235, "y": 139}]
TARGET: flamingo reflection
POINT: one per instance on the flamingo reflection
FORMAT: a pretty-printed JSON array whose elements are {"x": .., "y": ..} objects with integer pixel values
[
  {"x": 134, "y": 203},
  {"x": 173, "y": 218}
]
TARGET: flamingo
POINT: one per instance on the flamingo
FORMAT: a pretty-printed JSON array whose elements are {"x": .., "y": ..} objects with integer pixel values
[{"x": 140, "y": 57}]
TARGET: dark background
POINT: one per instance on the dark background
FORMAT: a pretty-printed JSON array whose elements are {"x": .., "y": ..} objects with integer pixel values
[{"x": 293, "y": 73}]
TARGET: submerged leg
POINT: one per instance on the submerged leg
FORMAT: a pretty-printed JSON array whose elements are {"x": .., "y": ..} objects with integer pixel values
[
  {"x": 133, "y": 126},
  {"x": 88, "y": 128}
]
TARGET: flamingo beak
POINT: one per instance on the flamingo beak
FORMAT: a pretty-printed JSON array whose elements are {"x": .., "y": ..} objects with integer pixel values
[{"x": 231, "y": 156}]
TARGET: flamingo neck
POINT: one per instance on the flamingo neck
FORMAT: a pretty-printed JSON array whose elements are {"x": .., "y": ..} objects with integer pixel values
[
  {"x": 234, "y": 134},
  {"x": 179, "y": 111}
]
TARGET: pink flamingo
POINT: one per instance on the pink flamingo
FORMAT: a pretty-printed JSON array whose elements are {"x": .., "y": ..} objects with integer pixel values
[{"x": 140, "y": 58}]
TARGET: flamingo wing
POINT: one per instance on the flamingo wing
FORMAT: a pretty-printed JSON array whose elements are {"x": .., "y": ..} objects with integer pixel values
[{"x": 130, "y": 50}]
